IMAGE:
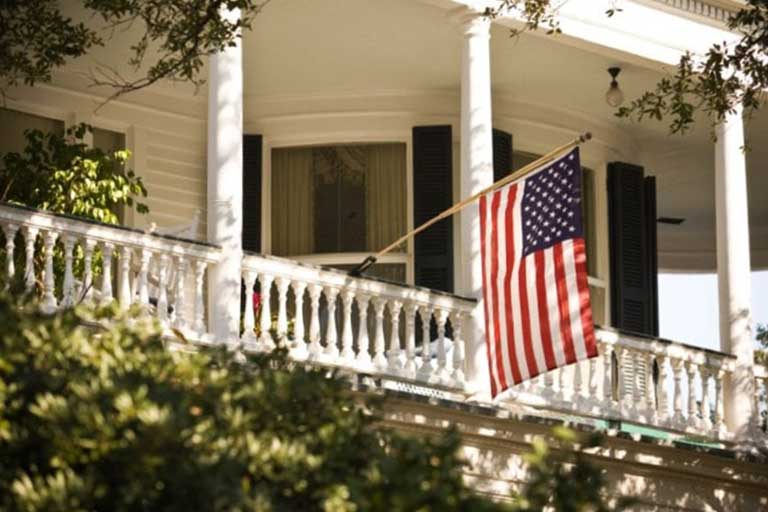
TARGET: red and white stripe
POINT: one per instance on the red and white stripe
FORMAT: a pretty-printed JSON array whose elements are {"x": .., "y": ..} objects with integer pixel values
[{"x": 537, "y": 311}]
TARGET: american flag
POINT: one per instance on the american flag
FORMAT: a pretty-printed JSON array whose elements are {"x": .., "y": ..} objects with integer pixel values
[{"x": 537, "y": 311}]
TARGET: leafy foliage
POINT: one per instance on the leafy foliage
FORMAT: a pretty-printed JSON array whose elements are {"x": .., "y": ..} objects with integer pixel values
[
  {"x": 99, "y": 414},
  {"x": 64, "y": 175},
  {"x": 174, "y": 37},
  {"x": 108, "y": 419}
]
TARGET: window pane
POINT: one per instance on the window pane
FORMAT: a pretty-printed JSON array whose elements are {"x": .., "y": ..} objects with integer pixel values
[
  {"x": 336, "y": 199},
  {"x": 108, "y": 141},
  {"x": 13, "y": 124}
]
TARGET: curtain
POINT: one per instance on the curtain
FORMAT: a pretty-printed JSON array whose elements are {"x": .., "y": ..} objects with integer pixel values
[
  {"x": 385, "y": 195},
  {"x": 292, "y": 202}
]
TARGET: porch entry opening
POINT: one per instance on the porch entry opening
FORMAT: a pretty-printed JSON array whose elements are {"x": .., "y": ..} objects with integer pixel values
[{"x": 333, "y": 204}]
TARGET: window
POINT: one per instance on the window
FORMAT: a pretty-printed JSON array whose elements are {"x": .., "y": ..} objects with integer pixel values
[{"x": 339, "y": 202}]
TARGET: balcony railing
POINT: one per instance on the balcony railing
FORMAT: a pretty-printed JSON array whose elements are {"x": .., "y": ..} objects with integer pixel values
[{"x": 395, "y": 333}]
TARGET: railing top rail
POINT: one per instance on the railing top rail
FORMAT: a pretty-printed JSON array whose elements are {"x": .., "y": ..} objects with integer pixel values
[
  {"x": 645, "y": 343},
  {"x": 42, "y": 219},
  {"x": 329, "y": 276}
]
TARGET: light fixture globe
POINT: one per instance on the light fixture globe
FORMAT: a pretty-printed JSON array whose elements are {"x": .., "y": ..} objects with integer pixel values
[{"x": 615, "y": 96}]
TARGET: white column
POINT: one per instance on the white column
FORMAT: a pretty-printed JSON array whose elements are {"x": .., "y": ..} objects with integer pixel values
[
  {"x": 476, "y": 174},
  {"x": 225, "y": 191},
  {"x": 733, "y": 274}
]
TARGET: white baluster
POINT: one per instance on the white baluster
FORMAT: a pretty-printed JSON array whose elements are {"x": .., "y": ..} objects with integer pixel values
[
  {"x": 347, "y": 337},
  {"x": 68, "y": 286},
  {"x": 578, "y": 381},
  {"x": 594, "y": 379},
  {"x": 608, "y": 373},
  {"x": 650, "y": 387},
  {"x": 638, "y": 373},
  {"x": 363, "y": 354},
  {"x": 10, "y": 234},
  {"x": 180, "y": 296},
  {"x": 719, "y": 426},
  {"x": 620, "y": 385},
  {"x": 265, "y": 339},
  {"x": 690, "y": 369},
  {"x": 249, "y": 318},
  {"x": 315, "y": 290},
  {"x": 299, "y": 345},
  {"x": 125, "y": 277},
  {"x": 410, "y": 340},
  {"x": 86, "y": 291},
  {"x": 142, "y": 285},
  {"x": 677, "y": 369},
  {"x": 706, "y": 411},
  {"x": 562, "y": 377},
  {"x": 199, "y": 320},
  {"x": 441, "y": 316},
  {"x": 162, "y": 296},
  {"x": 661, "y": 388},
  {"x": 30, "y": 237},
  {"x": 379, "y": 360},
  {"x": 457, "y": 320},
  {"x": 393, "y": 354},
  {"x": 426, "y": 370},
  {"x": 107, "y": 295},
  {"x": 49, "y": 284},
  {"x": 283, "y": 283},
  {"x": 331, "y": 336}
]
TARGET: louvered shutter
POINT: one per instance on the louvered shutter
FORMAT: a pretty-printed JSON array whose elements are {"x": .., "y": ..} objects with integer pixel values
[
  {"x": 502, "y": 154},
  {"x": 632, "y": 252},
  {"x": 652, "y": 253},
  {"x": 252, "y": 193},
  {"x": 433, "y": 193}
]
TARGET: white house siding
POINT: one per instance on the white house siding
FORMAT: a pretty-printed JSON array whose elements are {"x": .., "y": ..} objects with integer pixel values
[{"x": 168, "y": 146}]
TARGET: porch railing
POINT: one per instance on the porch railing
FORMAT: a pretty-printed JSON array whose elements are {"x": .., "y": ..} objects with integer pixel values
[{"x": 397, "y": 332}]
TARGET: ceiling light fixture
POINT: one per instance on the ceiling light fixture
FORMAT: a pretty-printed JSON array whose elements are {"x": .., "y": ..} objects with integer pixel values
[{"x": 614, "y": 97}]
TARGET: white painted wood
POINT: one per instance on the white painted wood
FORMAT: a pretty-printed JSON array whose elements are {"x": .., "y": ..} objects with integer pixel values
[
  {"x": 363, "y": 341},
  {"x": 225, "y": 190},
  {"x": 395, "y": 365},
  {"x": 106, "y": 294},
  {"x": 347, "y": 338},
  {"x": 30, "y": 237},
  {"x": 9, "y": 229},
  {"x": 476, "y": 174},
  {"x": 733, "y": 273},
  {"x": 265, "y": 323},
  {"x": 379, "y": 360},
  {"x": 68, "y": 285},
  {"x": 180, "y": 307},
  {"x": 49, "y": 302}
]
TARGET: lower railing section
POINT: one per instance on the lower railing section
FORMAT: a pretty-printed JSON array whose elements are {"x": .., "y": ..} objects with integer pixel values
[
  {"x": 361, "y": 324},
  {"x": 72, "y": 260},
  {"x": 640, "y": 380}
]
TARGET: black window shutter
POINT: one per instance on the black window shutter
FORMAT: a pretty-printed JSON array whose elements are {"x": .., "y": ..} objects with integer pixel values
[
  {"x": 502, "y": 154},
  {"x": 652, "y": 252},
  {"x": 252, "y": 193},
  {"x": 433, "y": 193},
  {"x": 632, "y": 252}
]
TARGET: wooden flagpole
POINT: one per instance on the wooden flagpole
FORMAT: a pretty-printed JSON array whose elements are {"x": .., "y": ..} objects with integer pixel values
[{"x": 552, "y": 155}]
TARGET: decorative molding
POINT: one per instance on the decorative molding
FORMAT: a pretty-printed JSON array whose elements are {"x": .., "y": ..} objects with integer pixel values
[{"x": 716, "y": 10}]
